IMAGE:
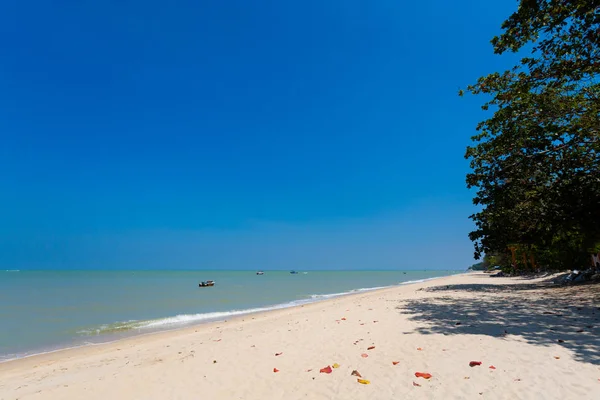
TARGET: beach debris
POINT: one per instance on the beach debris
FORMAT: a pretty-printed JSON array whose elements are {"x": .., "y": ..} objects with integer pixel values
[
  {"x": 336, "y": 365},
  {"x": 275, "y": 370},
  {"x": 375, "y": 321},
  {"x": 467, "y": 377},
  {"x": 364, "y": 355},
  {"x": 416, "y": 384},
  {"x": 308, "y": 370},
  {"x": 419, "y": 348},
  {"x": 362, "y": 323},
  {"x": 344, "y": 318},
  {"x": 363, "y": 381},
  {"x": 424, "y": 375},
  {"x": 560, "y": 341},
  {"x": 557, "y": 357},
  {"x": 326, "y": 370},
  {"x": 356, "y": 373},
  {"x": 214, "y": 361},
  {"x": 278, "y": 354},
  {"x": 370, "y": 347},
  {"x": 458, "y": 323},
  {"x": 474, "y": 363},
  {"x": 580, "y": 330},
  {"x": 492, "y": 367},
  {"x": 518, "y": 380},
  {"x": 217, "y": 340},
  {"x": 444, "y": 349},
  {"x": 395, "y": 362}
]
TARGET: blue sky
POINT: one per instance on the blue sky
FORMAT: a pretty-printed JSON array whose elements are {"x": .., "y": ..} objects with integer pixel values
[{"x": 262, "y": 134}]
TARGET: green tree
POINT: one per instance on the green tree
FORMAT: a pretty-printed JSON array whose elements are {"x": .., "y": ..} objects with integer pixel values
[{"x": 535, "y": 162}]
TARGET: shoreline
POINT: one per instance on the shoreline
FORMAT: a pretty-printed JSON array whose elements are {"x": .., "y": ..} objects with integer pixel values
[
  {"x": 527, "y": 336},
  {"x": 242, "y": 313}
]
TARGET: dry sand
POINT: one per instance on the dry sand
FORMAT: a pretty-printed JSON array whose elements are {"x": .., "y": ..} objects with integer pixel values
[{"x": 436, "y": 327}]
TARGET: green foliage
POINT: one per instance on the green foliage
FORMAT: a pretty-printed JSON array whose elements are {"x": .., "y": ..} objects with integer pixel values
[
  {"x": 490, "y": 261},
  {"x": 535, "y": 162},
  {"x": 478, "y": 267},
  {"x": 499, "y": 259},
  {"x": 481, "y": 266}
]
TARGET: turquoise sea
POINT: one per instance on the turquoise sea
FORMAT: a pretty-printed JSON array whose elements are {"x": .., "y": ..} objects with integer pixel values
[{"x": 47, "y": 310}]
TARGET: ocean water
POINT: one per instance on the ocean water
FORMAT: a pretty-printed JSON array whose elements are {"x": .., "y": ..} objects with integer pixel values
[{"x": 48, "y": 310}]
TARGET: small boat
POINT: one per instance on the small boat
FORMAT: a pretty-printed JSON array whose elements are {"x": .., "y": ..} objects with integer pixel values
[
  {"x": 206, "y": 283},
  {"x": 260, "y": 273},
  {"x": 293, "y": 272}
]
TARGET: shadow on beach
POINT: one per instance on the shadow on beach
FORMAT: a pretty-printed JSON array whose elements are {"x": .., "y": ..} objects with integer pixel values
[{"x": 542, "y": 314}]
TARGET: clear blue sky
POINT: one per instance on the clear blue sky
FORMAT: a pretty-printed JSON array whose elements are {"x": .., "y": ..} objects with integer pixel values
[{"x": 239, "y": 134}]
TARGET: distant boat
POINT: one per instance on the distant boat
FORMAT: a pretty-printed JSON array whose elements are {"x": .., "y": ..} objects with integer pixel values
[
  {"x": 293, "y": 272},
  {"x": 260, "y": 273},
  {"x": 206, "y": 284}
]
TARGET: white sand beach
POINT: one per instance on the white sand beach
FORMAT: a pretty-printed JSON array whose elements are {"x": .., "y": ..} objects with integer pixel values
[{"x": 533, "y": 342}]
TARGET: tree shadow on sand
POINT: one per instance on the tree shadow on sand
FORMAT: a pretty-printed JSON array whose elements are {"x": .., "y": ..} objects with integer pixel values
[{"x": 541, "y": 314}]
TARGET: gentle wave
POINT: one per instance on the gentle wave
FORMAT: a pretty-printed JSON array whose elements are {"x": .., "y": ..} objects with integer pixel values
[
  {"x": 420, "y": 280},
  {"x": 353, "y": 291},
  {"x": 183, "y": 319},
  {"x": 186, "y": 319}
]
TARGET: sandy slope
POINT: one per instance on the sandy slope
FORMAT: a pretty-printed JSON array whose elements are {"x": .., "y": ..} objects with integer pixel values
[{"x": 235, "y": 359}]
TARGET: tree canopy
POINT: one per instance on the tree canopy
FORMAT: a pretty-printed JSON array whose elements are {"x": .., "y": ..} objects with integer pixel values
[{"x": 535, "y": 162}]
